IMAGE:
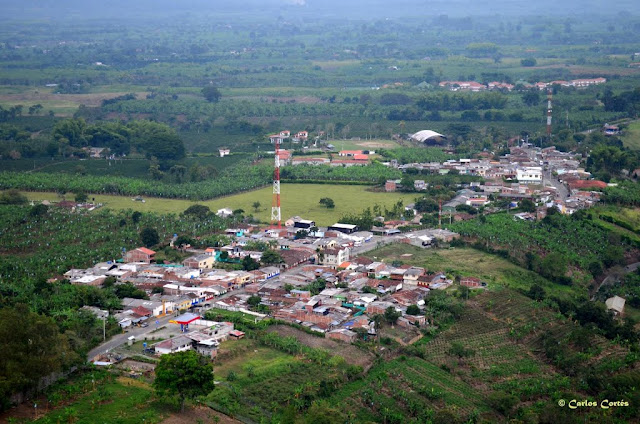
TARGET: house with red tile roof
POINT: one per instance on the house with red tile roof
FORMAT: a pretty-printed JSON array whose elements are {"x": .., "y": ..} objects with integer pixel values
[{"x": 141, "y": 254}]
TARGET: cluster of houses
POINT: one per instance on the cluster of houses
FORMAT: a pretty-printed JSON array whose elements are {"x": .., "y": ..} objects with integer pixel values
[
  {"x": 496, "y": 85},
  {"x": 204, "y": 340},
  {"x": 517, "y": 175},
  {"x": 300, "y": 136},
  {"x": 345, "y": 158},
  {"x": 352, "y": 289}
]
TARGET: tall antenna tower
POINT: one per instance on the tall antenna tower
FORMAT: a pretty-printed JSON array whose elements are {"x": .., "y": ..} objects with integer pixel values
[
  {"x": 276, "y": 215},
  {"x": 549, "y": 115}
]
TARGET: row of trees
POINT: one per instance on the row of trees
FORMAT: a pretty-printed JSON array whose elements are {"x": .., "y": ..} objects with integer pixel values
[{"x": 147, "y": 137}]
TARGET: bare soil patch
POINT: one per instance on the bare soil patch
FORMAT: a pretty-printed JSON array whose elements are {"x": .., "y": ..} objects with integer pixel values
[
  {"x": 350, "y": 353},
  {"x": 375, "y": 144}
]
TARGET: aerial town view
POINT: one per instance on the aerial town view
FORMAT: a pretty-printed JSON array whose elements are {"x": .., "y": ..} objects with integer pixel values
[{"x": 319, "y": 211}]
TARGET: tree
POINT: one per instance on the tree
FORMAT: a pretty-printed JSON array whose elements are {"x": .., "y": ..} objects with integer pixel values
[
  {"x": 327, "y": 202},
  {"x": 529, "y": 62},
  {"x": 502, "y": 402},
  {"x": 391, "y": 315},
  {"x": 254, "y": 300},
  {"x": 135, "y": 217},
  {"x": 81, "y": 197},
  {"x": 183, "y": 374},
  {"x": 39, "y": 210},
  {"x": 256, "y": 206},
  {"x": 426, "y": 204},
  {"x": 271, "y": 257},
  {"x": 149, "y": 236},
  {"x": 537, "y": 292},
  {"x": 458, "y": 349},
  {"x": 32, "y": 347},
  {"x": 211, "y": 93},
  {"x": 183, "y": 240},
  {"x": 197, "y": 211},
  {"x": 71, "y": 132},
  {"x": 531, "y": 97},
  {"x": 413, "y": 310},
  {"x": 527, "y": 205},
  {"x": 13, "y": 197},
  {"x": 249, "y": 264}
]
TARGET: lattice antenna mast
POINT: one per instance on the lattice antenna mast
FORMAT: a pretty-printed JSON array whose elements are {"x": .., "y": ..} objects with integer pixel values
[{"x": 276, "y": 215}]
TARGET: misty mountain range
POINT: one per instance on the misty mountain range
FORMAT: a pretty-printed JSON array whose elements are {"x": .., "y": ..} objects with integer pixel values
[{"x": 278, "y": 9}]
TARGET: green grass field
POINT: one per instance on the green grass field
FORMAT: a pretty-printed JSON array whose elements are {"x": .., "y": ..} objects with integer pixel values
[
  {"x": 297, "y": 199},
  {"x": 469, "y": 262},
  {"x": 631, "y": 137}
]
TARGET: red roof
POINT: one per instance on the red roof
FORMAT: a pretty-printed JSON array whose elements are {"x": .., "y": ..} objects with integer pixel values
[
  {"x": 142, "y": 311},
  {"x": 145, "y": 250},
  {"x": 587, "y": 183}
]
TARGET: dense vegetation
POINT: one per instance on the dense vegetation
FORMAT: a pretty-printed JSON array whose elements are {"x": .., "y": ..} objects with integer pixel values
[
  {"x": 558, "y": 246},
  {"x": 39, "y": 243},
  {"x": 158, "y": 82},
  {"x": 238, "y": 178}
]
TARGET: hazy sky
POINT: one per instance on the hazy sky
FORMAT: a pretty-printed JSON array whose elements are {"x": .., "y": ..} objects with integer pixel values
[{"x": 352, "y": 9}]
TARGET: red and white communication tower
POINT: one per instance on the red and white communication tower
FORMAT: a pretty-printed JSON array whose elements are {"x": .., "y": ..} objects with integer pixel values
[
  {"x": 549, "y": 115},
  {"x": 276, "y": 216}
]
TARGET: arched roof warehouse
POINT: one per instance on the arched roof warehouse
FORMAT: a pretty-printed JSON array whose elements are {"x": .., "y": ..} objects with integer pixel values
[{"x": 424, "y": 135}]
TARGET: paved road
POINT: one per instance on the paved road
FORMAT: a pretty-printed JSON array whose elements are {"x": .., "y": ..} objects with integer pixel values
[
  {"x": 121, "y": 339},
  {"x": 562, "y": 190}
]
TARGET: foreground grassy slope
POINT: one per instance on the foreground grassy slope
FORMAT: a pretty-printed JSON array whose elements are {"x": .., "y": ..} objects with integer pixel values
[{"x": 631, "y": 137}]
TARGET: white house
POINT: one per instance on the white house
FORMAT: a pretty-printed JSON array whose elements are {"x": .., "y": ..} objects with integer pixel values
[
  {"x": 529, "y": 175},
  {"x": 615, "y": 304},
  {"x": 173, "y": 345},
  {"x": 334, "y": 256},
  {"x": 224, "y": 212}
]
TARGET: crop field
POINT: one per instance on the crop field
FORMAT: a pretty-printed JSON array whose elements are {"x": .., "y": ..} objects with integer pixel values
[
  {"x": 350, "y": 353},
  {"x": 61, "y": 104},
  {"x": 407, "y": 389},
  {"x": 123, "y": 401},
  {"x": 297, "y": 199},
  {"x": 496, "y": 357},
  {"x": 624, "y": 222},
  {"x": 527, "y": 319},
  {"x": 134, "y": 168},
  {"x": 494, "y": 270},
  {"x": 256, "y": 381},
  {"x": 581, "y": 242},
  {"x": 631, "y": 137}
]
